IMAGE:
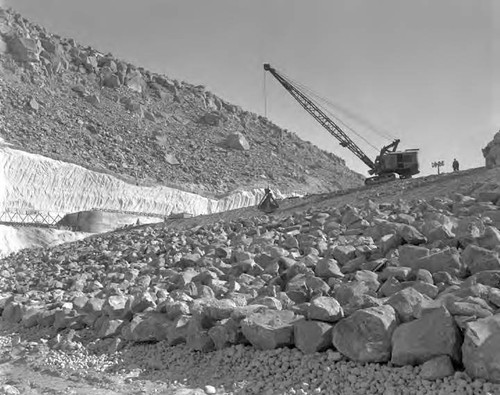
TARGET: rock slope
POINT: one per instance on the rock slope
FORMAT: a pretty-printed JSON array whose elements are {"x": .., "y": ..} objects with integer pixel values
[
  {"x": 403, "y": 282},
  {"x": 73, "y": 103}
]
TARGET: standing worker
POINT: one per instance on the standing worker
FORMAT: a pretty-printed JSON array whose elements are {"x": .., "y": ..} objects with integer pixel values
[{"x": 455, "y": 165}]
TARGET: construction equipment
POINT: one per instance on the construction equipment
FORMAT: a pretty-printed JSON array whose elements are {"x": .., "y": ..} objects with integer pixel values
[
  {"x": 268, "y": 204},
  {"x": 387, "y": 165}
]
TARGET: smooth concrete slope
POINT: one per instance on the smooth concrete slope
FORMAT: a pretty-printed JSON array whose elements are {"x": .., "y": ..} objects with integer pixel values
[{"x": 30, "y": 181}]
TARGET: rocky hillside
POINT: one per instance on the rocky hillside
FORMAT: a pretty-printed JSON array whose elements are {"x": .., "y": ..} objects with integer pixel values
[{"x": 74, "y": 103}]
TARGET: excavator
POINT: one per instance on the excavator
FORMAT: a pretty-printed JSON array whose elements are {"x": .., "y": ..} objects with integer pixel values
[{"x": 387, "y": 165}]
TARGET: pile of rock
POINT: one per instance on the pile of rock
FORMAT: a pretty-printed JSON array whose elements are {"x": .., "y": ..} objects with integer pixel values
[
  {"x": 409, "y": 283},
  {"x": 491, "y": 152},
  {"x": 76, "y": 104}
]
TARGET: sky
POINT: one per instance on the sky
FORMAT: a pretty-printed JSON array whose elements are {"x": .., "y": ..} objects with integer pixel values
[{"x": 424, "y": 71}]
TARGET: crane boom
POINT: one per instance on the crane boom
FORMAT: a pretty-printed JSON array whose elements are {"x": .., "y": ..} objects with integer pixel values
[{"x": 322, "y": 118}]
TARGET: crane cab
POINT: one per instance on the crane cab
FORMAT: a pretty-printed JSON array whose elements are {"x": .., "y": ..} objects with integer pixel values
[{"x": 404, "y": 163}]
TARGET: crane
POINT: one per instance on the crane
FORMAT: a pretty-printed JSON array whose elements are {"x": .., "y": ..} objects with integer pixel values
[{"x": 387, "y": 164}]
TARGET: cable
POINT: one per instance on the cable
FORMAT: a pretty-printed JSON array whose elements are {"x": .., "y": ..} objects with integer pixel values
[
  {"x": 265, "y": 95},
  {"x": 331, "y": 114},
  {"x": 349, "y": 113}
]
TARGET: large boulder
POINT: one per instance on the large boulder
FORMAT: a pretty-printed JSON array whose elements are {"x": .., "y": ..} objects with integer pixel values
[
  {"x": 491, "y": 152},
  {"x": 269, "y": 329},
  {"x": 433, "y": 334},
  {"x": 446, "y": 260},
  {"x": 327, "y": 267},
  {"x": 237, "y": 141},
  {"x": 406, "y": 302},
  {"x": 479, "y": 259},
  {"x": 312, "y": 336},
  {"x": 147, "y": 327},
  {"x": 24, "y": 49},
  {"x": 408, "y": 254},
  {"x": 481, "y": 348},
  {"x": 135, "y": 82},
  {"x": 325, "y": 309},
  {"x": 365, "y": 336},
  {"x": 437, "y": 368}
]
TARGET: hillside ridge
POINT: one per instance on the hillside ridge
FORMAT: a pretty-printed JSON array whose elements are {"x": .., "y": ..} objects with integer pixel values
[{"x": 79, "y": 105}]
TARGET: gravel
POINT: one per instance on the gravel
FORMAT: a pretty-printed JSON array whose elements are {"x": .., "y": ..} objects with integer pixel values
[{"x": 244, "y": 370}]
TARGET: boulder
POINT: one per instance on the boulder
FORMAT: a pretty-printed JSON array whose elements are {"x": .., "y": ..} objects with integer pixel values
[
  {"x": 478, "y": 259},
  {"x": 460, "y": 308},
  {"x": 269, "y": 329},
  {"x": 411, "y": 235},
  {"x": 135, "y": 82},
  {"x": 358, "y": 302},
  {"x": 481, "y": 349},
  {"x": 408, "y": 254},
  {"x": 406, "y": 302},
  {"x": 400, "y": 273},
  {"x": 437, "y": 368},
  {"x": 226, "y": 333},
  {"x": 147, "y": 327},
  {"x": 325, "y": 309},
  {"x": 434, "y": 333},
  {"x": 212, "y": 309},
  {"x": 487, "y": 277},
  {"x": 301, "y": 287},
  {"x": 491, "y": 152},
  {"x": 446, "y": 260},
  {"x": 111, "y": 81},
  {"x": 345, "y": 292},
  {"x": 365, "y": 336},
  {"x": 237, "y": 141},
  {"x": 490, "y": 239},
  {"x": 24, "y": 49},
  {"x": 177, "y": 332},
  {"x": 312, "y": 336},
  {"x": 213, "y": 118},
  {"x": 327, "y": 267},
  {"x": 343, "y": 254}
]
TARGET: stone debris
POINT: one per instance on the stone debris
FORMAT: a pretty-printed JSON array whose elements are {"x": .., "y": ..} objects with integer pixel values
[
  {"x": 384, "y": 298},
  {"x": 249, "y": 282},
  {"x": 222, "y": 147}
]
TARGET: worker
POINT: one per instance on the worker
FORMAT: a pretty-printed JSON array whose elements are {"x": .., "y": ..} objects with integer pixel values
[
  {"x": 268, "y": 204},
  {"x": 455, "y": 165}
]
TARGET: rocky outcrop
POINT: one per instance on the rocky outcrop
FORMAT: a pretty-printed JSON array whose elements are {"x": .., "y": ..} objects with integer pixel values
[{"x": 491, "y": 152}]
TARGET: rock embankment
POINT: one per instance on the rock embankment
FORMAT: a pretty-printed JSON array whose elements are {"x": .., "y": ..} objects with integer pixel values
[{"x": 411, "y": 283}]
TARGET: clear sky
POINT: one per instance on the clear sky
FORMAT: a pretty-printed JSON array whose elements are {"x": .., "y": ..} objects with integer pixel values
[{"x": 426, "y": 71}]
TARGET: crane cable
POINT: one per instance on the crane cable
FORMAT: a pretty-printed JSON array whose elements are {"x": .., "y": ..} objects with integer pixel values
[
  {"x": 265, "y": 94},
  {"x": 349, "y": 113},
  {"x": 331, "y": 114}
]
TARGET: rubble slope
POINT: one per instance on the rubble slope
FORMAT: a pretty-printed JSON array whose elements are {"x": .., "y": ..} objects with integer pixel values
[
  {"x": 76, "y": 104},
  {"x": 372, "y": 282}
]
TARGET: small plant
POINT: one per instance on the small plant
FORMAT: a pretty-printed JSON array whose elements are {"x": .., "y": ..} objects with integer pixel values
[{"x": 438, "y": 164}]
